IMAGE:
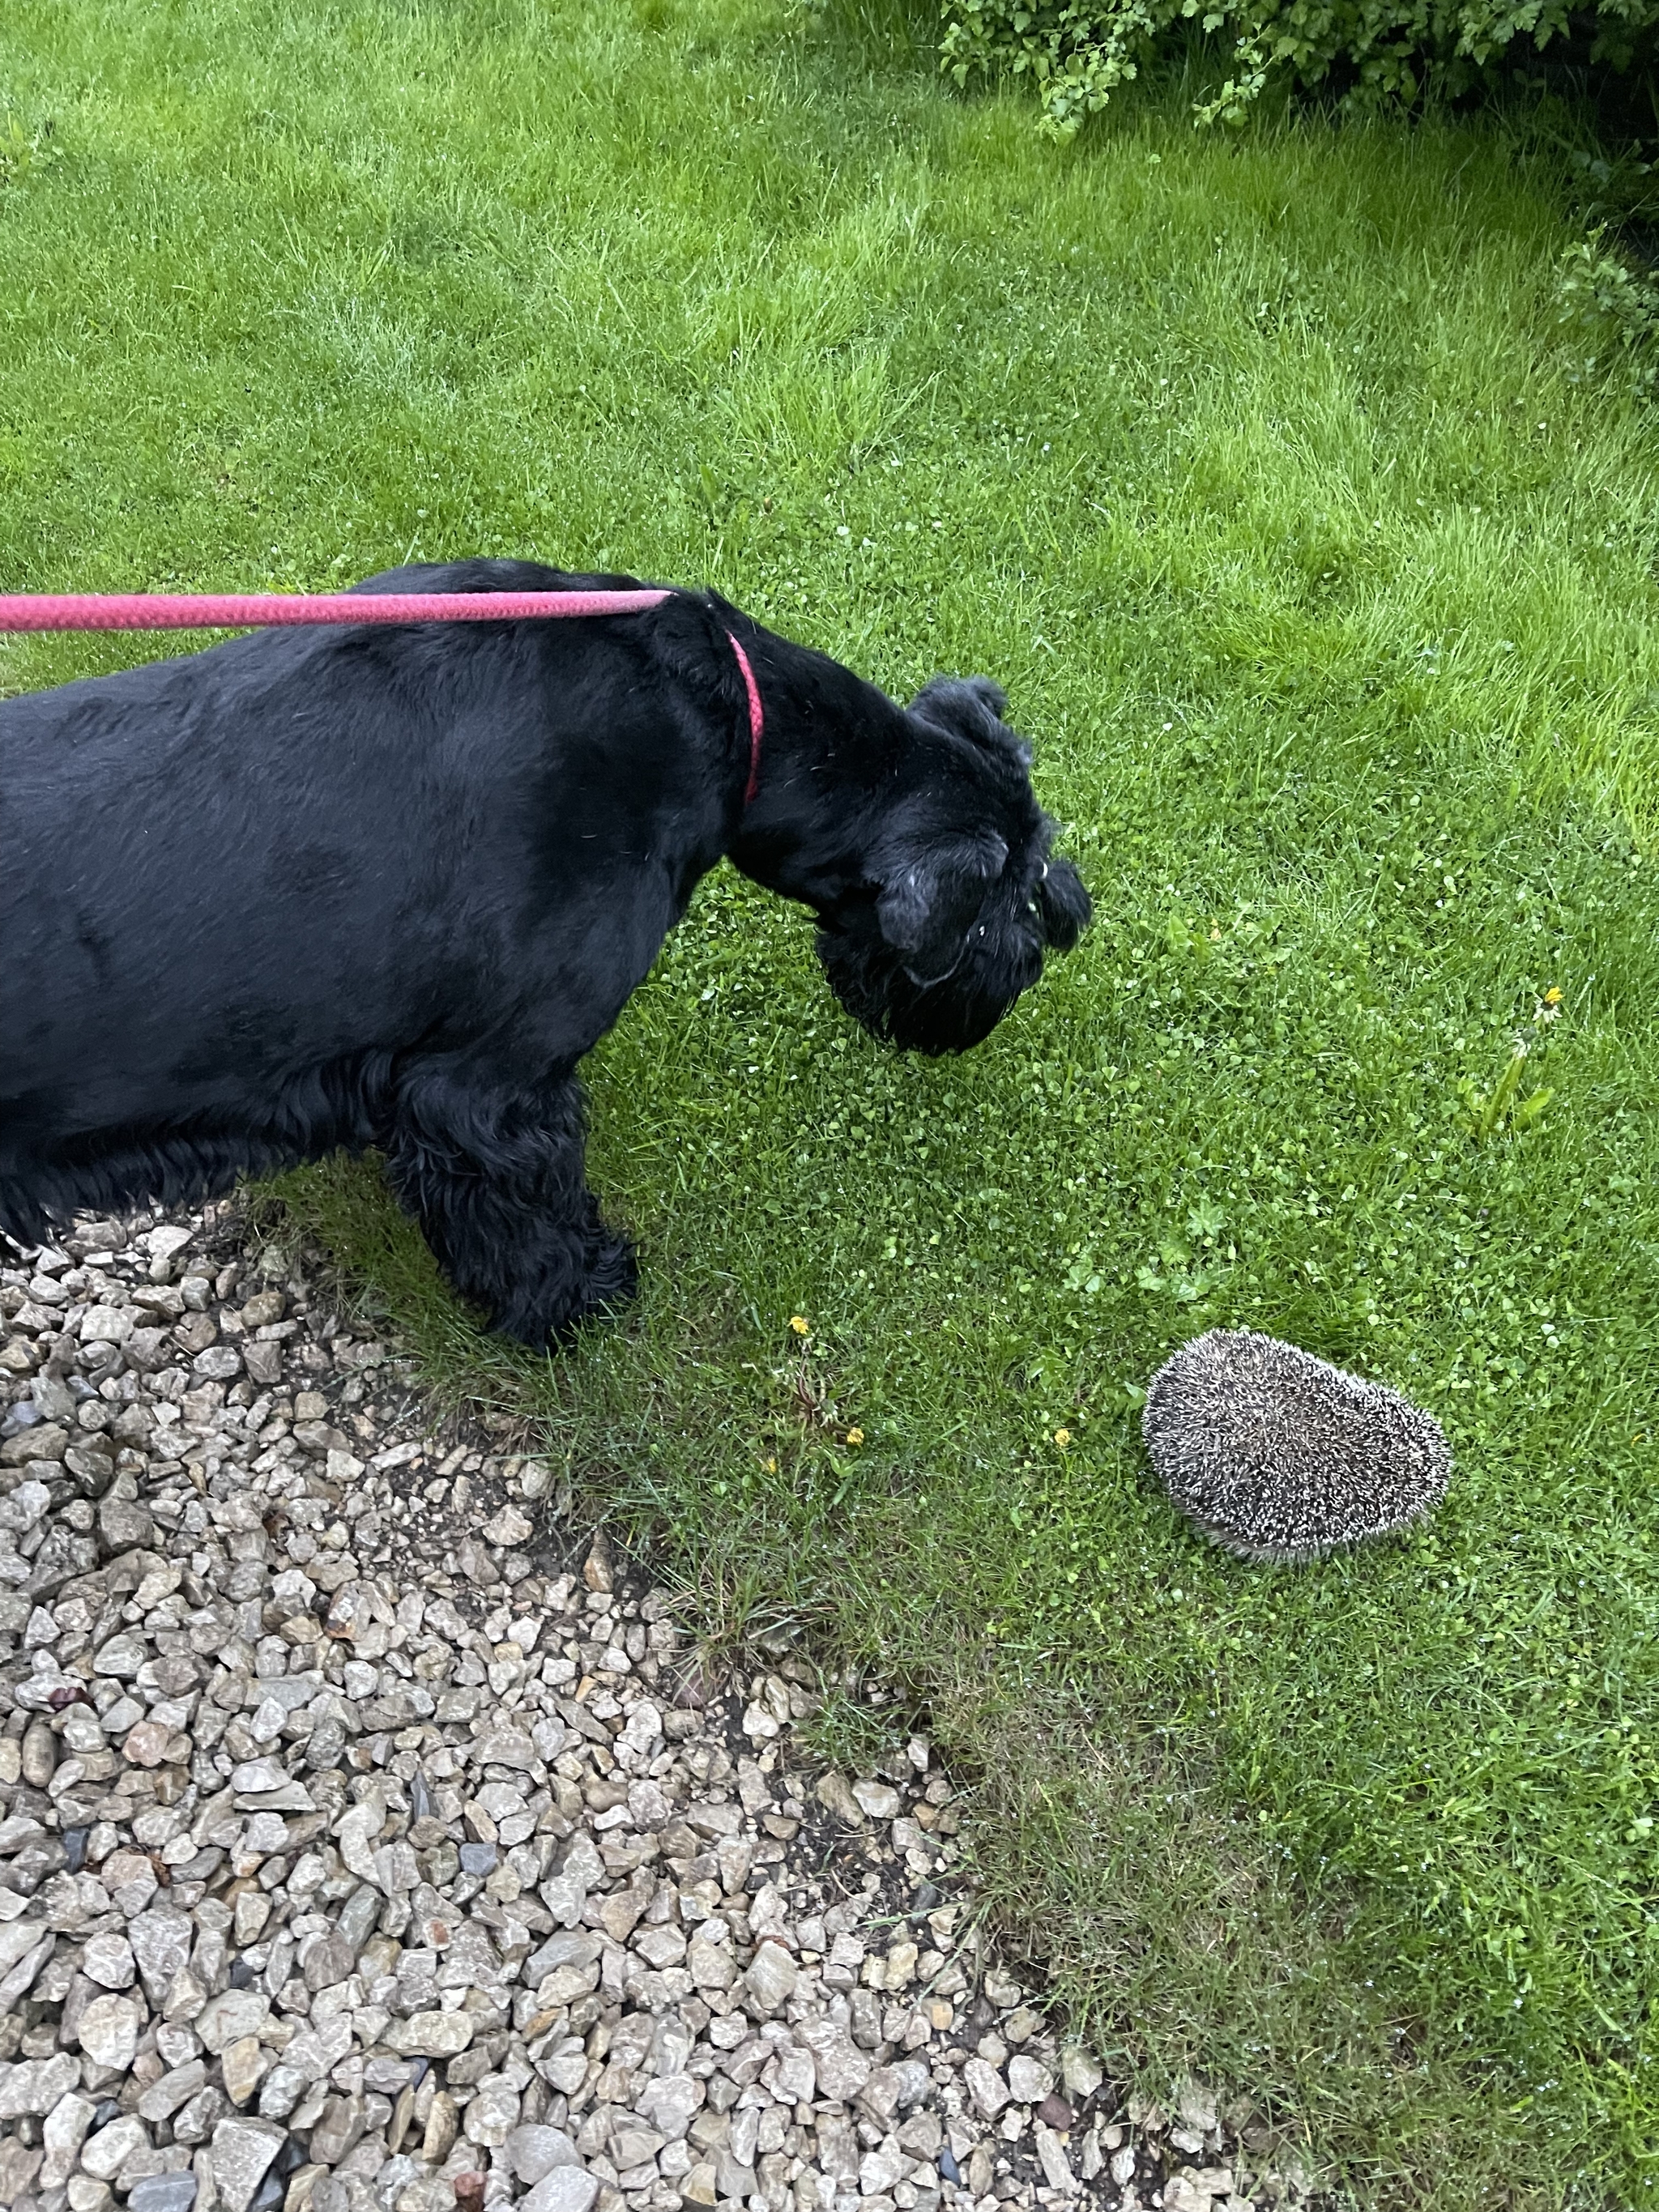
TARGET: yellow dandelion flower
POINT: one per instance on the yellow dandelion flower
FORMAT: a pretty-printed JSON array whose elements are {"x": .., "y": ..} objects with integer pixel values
[
  {"x": 798, "y": 1322},
  {"x": 1553, "y": 996},
  {"x": 855, "y": 1435},
  {"x": 771, "y": 1467},
  {"x": 1062, "y": 1437}
]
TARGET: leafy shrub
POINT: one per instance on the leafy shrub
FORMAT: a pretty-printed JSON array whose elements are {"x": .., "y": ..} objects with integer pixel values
[
  {"x": 1613, "y": 306},
  {"x": 1374, "y": 51}
]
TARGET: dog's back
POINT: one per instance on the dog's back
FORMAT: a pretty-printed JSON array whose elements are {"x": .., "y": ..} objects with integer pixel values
[{"x": 240, "y": 887}]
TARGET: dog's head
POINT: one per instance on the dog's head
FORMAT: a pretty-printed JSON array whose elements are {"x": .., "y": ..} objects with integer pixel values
[{"x": 962, "y": 897}]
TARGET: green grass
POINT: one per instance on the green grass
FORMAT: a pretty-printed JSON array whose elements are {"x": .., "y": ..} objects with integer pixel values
[{"x": 1259, "y": 473}]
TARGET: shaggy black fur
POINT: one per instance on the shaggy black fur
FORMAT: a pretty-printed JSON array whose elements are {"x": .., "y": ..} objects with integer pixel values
[{"x": 385, "y": 886}]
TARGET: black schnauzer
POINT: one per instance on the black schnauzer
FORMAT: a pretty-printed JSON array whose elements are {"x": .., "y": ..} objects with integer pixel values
[{"x": 385, "y": 886}]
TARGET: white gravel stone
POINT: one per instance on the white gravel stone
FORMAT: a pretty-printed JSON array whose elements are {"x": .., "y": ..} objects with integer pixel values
[
  {"x": 104, "y": 2154},
  {"x": 1051, "y": 2154},
  {"x": 160, "y": 1940},
  {"x": 670, "y": 2103},
  {"x": 159, "y": 2193},
  {"x": 107, "y": 1960},
  {"x": 770, "y": 1981},
  {"x": 64, "y": 2130},
  {"x": 227, "y": 2019},
  {"x": 493, "y": 2113},
  {"x": 432, "y": 2034},
  {"x": 109, "y": 2032},
  {"x": 174, "y": 2089},
  {"x": 34, "y": 2086},
  {"x": 243, "y": 2065},
  {"x": 533, "y": 2152},
  {"x": 842, "y": 2068},
  {"x": 508, "y": 1527},
  {"x": 105, "y": 1325},
  {"x": 878, "y": 1799},
  {"x": 243, "y": 2151},
  {"x": 986, "y": 2087},
  {"x": 1195, "y": 2104},
  {"x": 1029, "y": 2081},
  {"x": 1183, "y": 2194},
  {"x": 566, "y": 2189}
]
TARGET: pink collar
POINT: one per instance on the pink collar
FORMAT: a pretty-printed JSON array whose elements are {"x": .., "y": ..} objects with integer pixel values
[{"x": 757, "y": 721}]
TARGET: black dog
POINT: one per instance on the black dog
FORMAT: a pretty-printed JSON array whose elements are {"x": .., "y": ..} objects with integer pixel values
[{"x": 385, "y": 886}]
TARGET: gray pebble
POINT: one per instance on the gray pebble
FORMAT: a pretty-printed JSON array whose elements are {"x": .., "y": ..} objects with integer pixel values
[{"x": 163, "y": 2192}]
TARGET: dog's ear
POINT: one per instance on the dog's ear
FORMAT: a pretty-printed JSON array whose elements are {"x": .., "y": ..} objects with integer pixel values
[
  {"x": 969, "y": 707},
  {"x": 928, "y": 903},
  {"x": 1065, "y": 905}
]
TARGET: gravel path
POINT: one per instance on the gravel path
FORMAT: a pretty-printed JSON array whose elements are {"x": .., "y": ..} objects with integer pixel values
[{"x": 363, "y": 1844}]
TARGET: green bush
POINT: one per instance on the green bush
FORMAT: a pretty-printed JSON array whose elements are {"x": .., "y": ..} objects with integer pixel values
[
  {"x": 1371, "y": 51},
  {"x": 1612, "y": 307}
]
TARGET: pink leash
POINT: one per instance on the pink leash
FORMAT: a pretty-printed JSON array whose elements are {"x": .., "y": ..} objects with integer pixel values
[{"x": 29, "y": 611}]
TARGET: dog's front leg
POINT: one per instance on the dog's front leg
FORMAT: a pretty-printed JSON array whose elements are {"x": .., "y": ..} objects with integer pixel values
[{"x": 496, "y": 1180}]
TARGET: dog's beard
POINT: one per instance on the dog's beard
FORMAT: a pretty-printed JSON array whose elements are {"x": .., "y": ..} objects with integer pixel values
[{"x": 952, "y": 1015}]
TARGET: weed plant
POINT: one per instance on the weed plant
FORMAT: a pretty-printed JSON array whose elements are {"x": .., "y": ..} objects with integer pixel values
[{"x": 1265, "y": 477}]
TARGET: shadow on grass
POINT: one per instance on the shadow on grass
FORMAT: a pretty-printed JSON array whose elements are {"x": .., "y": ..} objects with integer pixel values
[{"x": 1176, "y": 1946}]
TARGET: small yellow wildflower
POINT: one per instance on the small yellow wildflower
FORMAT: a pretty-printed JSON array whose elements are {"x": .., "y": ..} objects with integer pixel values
[
  {"x": 1062, "y": 1437},
  {"x": 798, "y": 1322},
  {"x": 1553, "y": 996},
  {"x": 771, "y": 1467},
  {"x": 855, "y": 1435}
]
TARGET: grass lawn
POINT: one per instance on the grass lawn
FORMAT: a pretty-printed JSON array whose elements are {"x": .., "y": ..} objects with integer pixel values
[{"x": 1257, "y": 470}]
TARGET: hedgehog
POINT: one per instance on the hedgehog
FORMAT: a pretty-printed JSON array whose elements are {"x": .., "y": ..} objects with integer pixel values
[{"x": 1279, "y": 1457}]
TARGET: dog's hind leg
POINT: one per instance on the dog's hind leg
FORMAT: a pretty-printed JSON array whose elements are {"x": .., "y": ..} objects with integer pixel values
[{"x": 496, "y": 1182}]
